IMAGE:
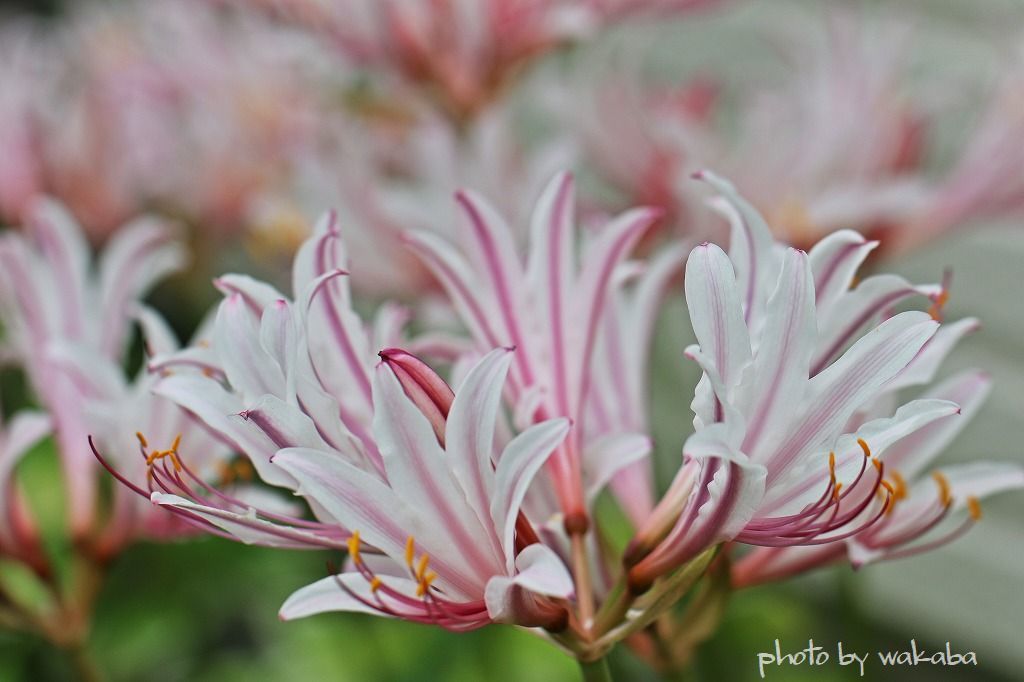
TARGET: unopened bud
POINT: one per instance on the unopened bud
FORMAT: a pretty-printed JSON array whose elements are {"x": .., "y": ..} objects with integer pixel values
[{"x": 425, "y": 388}]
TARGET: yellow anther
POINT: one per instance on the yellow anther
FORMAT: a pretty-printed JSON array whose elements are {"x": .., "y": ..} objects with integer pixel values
[
  {"x": 243, "y": 469},
  {"x": 832, "y": 466},
  {"x": 940, "y": 301},
  {"x": 429, "y": 578},
  {"x": 421, "y": 567},
  {"x": 900, "y": 485},
  {"x": 864, "y": 446},
  {"x": 877, "y": 463},
  {"x": 944, "y": 493},
  {"x": 226, "y": 472},
  {"x": 888, "y": 486},
  {"x": 353, "y": 547},
  {"x": 375, "y": 584},
  {"x": 410, "y": 548},
  {"x": 176, "y": 443},
  {"x": 142, "y": 439},
  {"x": 160, "y": 454},
  {"x": 974, "y": 507},
  {"x": 835, "y": 493}
]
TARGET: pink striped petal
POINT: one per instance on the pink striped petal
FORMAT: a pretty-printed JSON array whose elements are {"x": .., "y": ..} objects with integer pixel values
[
  {"x": 834, "y": 262},
  {"x": 838, "y": 391},
  {"x": 716, "y": 314},
  {"x": 470, "y": 434},
  {"x": 327, "y": 595},
  {"x": 914, "y": 453},
  {"x": 519, "y": 463},
  {"x": 417, "y": 472},
  {"x": 782, "y": 364}
]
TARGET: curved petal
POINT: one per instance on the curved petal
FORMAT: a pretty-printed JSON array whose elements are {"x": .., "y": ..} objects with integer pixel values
[
  {"x": 220, "y": 411},
  {"x": 750, "y": 243},
  {"x": 781, "y": 364},
  {"x": 834, "y": 261},
  {"x": 716, "y": 313},
  {"x": 417, "y": 471},
  {"x": 837, "y": 392},
  {"x": 519, "y": 463},
  {"x": 247, "y": 527},
  {"x": 384, "y": 518},
  {"x": 327, "y": 594},
  {"x": 912, "y": 454},
  {"x": 605, "y": 457},
  {"x": 469, "y": 435},
  {"x": 924, "y": 367}
]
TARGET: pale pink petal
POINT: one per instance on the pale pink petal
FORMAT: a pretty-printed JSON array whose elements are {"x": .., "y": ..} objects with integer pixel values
[
  {"x": 327, "y": 595},
  {"x": 716, "y": 312},
  {"x": 247, "y": 527},
  {"x": 469, "y": 435},
  {"x": 137, "y": 256},
  {"x": 519, "y": 463},
  {"x": 846, "y": 385},
  {"x": 923, "y": 368},
  {"x": 255, "y": 294},
  {"x": 914, "y": 453},
  {"x": 601, "y": 257},
  {"x": 417, "y": 472},
  {"x": 454, "y": 274},
  {"x": 782, "y": 363},
  {"x": 221, "y": 412},
  {"x": 609, "y": 455},
  {"x": 750, "y": 244},
  {"x": 873, "y": 298},
  {"x": 539, "y": 570},
  {"x": 157, "y": 335},
  {"x": 549, "y": 272},
  {"x": 246, "y": 364},
  {"x": 384, "y": 517},
  {"x": 981, "y": 479},
  {"x": 834, "y": 262}
]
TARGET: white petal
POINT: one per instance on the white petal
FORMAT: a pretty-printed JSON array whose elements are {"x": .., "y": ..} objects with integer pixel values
[
  {"x": 912, "y": 455},
  {"x": 247, "y": 527},
  {"x": 606, "y": 456},
  {"x": 715, "y": 312},
  {"x": 469, "y": 434},
  {"x": 519, "y": 462},
  {"x": 327, "y": 595},
  {"x": 539, "y": 570},
  {"x": 782, "y": 362},
  {"x": 849, "y": 383}
]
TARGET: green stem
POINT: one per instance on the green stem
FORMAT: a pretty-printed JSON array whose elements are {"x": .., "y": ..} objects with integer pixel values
[
  {"x": 83, "y": 663},
  {"x": 596, "y": 671}
]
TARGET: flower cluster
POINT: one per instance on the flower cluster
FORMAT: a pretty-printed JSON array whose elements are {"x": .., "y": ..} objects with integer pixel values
[
  {"x": 471, "y": 501},
  {"x": 453, "y": 397}
]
